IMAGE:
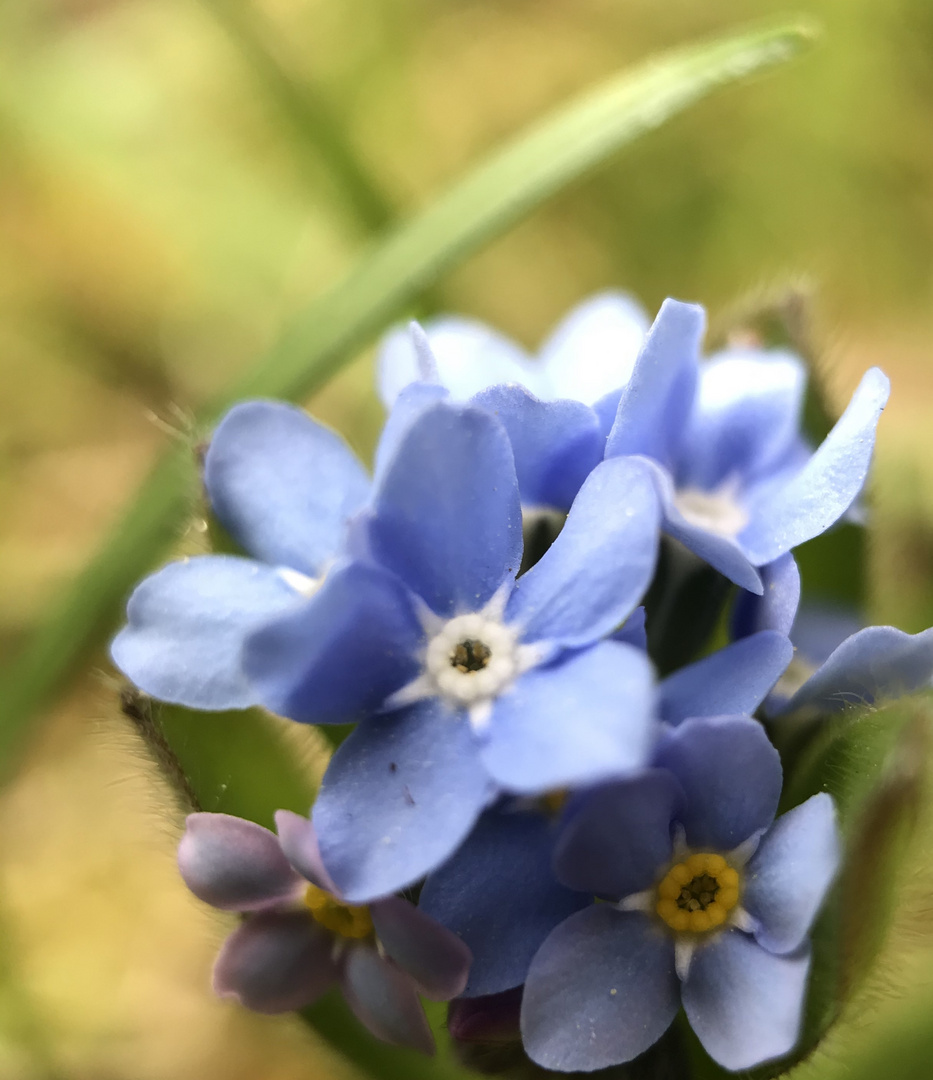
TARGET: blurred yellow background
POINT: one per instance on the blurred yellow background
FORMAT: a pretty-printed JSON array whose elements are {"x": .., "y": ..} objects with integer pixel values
[{"x": 162, "y": 212}]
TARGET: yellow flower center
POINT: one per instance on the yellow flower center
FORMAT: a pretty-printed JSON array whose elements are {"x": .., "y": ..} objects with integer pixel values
[
  {"x": 698, "y": 894},
  {"x": 343, "y": 919}
]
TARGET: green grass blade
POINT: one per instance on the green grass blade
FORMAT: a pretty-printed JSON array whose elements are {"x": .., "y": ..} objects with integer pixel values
[
  {"x": 493, "y": 197},
  {"x": 319, "y": 138}
]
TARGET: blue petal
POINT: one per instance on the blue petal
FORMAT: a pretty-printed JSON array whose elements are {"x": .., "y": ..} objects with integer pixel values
[
  {"x": 187, "y": 625},
  {"x": 601, "y": 990},
  {"x": 283, "y": 485},
  {"x": 593, "y": 350},
  {"x": 397, "y": 798},
  {"x": 385, "y": 1000},
  {"x": 721, "y": 552},
  {"x": 579, "y": 721},
  {"x": 557, "y": 444},
  {"x": 734, "y": 680},
  {"x": 658, "y": 398},
  {"x": 876, "y": 663},
  {"x": 821, "y": 492},
  {"x": 634, "y": 630},
  {"x": 618, "y": 838},
  {"x": 341, "y": 653},
  {"x": 776, "y": 608},
  {"x": 447, "y": 515},
  {"x": 470, "y": 356},
  {"x": 746, "y": 416},
  {"x": 409, "y": 405},
  {"x": 744, "y": 1003},
  {"x": 787, "y": 879},
  {"x": 599, "y": 567},
  {"x": 499, "y": 894},
  {"x": 731, "y": 776}
]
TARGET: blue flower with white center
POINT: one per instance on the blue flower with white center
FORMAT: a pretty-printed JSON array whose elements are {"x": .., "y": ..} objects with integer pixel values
[
  {"x": 557, "y": 408},
  {"x": 498, "y": 891},
  {"x": 832, "y": 669},
  {"x": 285, "y": 488},
  {"x": 299, "y": 938},
  {"x": 739, "y": 484},
  {"x": 467, "y": 682},
  {"x": 710, "y": 905}
]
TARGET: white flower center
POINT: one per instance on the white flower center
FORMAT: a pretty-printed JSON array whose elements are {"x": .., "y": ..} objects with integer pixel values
[
  {"x": 717, "y": 511},
  {"x": 472, "y": 658}
]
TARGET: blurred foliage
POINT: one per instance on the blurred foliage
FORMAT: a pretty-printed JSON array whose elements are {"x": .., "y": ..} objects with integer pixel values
[{"x": 176, "y": 180}]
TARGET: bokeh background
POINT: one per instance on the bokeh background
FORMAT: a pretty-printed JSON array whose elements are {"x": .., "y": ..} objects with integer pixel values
[{"x": 164, "y": 207}]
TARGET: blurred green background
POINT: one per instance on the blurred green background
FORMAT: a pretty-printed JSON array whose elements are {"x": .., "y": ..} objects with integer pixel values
[{"x": 163, "y": 208}]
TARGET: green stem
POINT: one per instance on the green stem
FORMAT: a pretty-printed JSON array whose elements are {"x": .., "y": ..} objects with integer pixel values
[{"x": 493, "y": 197}]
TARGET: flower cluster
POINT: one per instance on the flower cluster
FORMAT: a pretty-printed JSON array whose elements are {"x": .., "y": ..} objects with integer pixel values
[{"x": 480, "y": 609}]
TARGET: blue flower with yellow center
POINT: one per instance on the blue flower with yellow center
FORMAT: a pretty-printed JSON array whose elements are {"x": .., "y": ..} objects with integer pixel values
[{"x": 709, "y": 903}]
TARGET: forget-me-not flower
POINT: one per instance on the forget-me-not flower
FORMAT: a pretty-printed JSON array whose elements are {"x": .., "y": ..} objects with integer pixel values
[
  {"x": 557, "y": 408},
  {"x": 498, "y": 890},
  {"x": 710, "y": 903},
  {"x": 285, "y": 488},
  {"x": 466, "y": 681},
  {"x": 299, "y": 938},
  {"x": 739, "y": 483}
]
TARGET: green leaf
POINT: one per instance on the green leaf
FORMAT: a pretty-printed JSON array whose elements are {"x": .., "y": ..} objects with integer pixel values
[{"x": 507, "y": 187}]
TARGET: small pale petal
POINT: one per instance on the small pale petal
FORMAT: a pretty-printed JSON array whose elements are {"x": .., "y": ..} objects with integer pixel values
[
  {"x": 276, "y": 962},
  {"x": 593, "y": 349},
  {"x": 385, "y": 999},
  {"x": 435, "y": 958},
  {"x": 298, "y": 842},
  {"x": 470, "y": 356},
  {"x": 235, "y": 864}
]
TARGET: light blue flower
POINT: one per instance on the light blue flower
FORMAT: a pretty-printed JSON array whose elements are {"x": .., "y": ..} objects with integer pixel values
[
  {"x": 716, "y": 920},
  {"x": 498, "y": 891},
  {"x": 556, "y": 408},
  {"x": 285, "y": 488},
  {"x": 739, "y": 484},
  {"x": 587, "y": 357},
  {"x": 467, "y": 682}
]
